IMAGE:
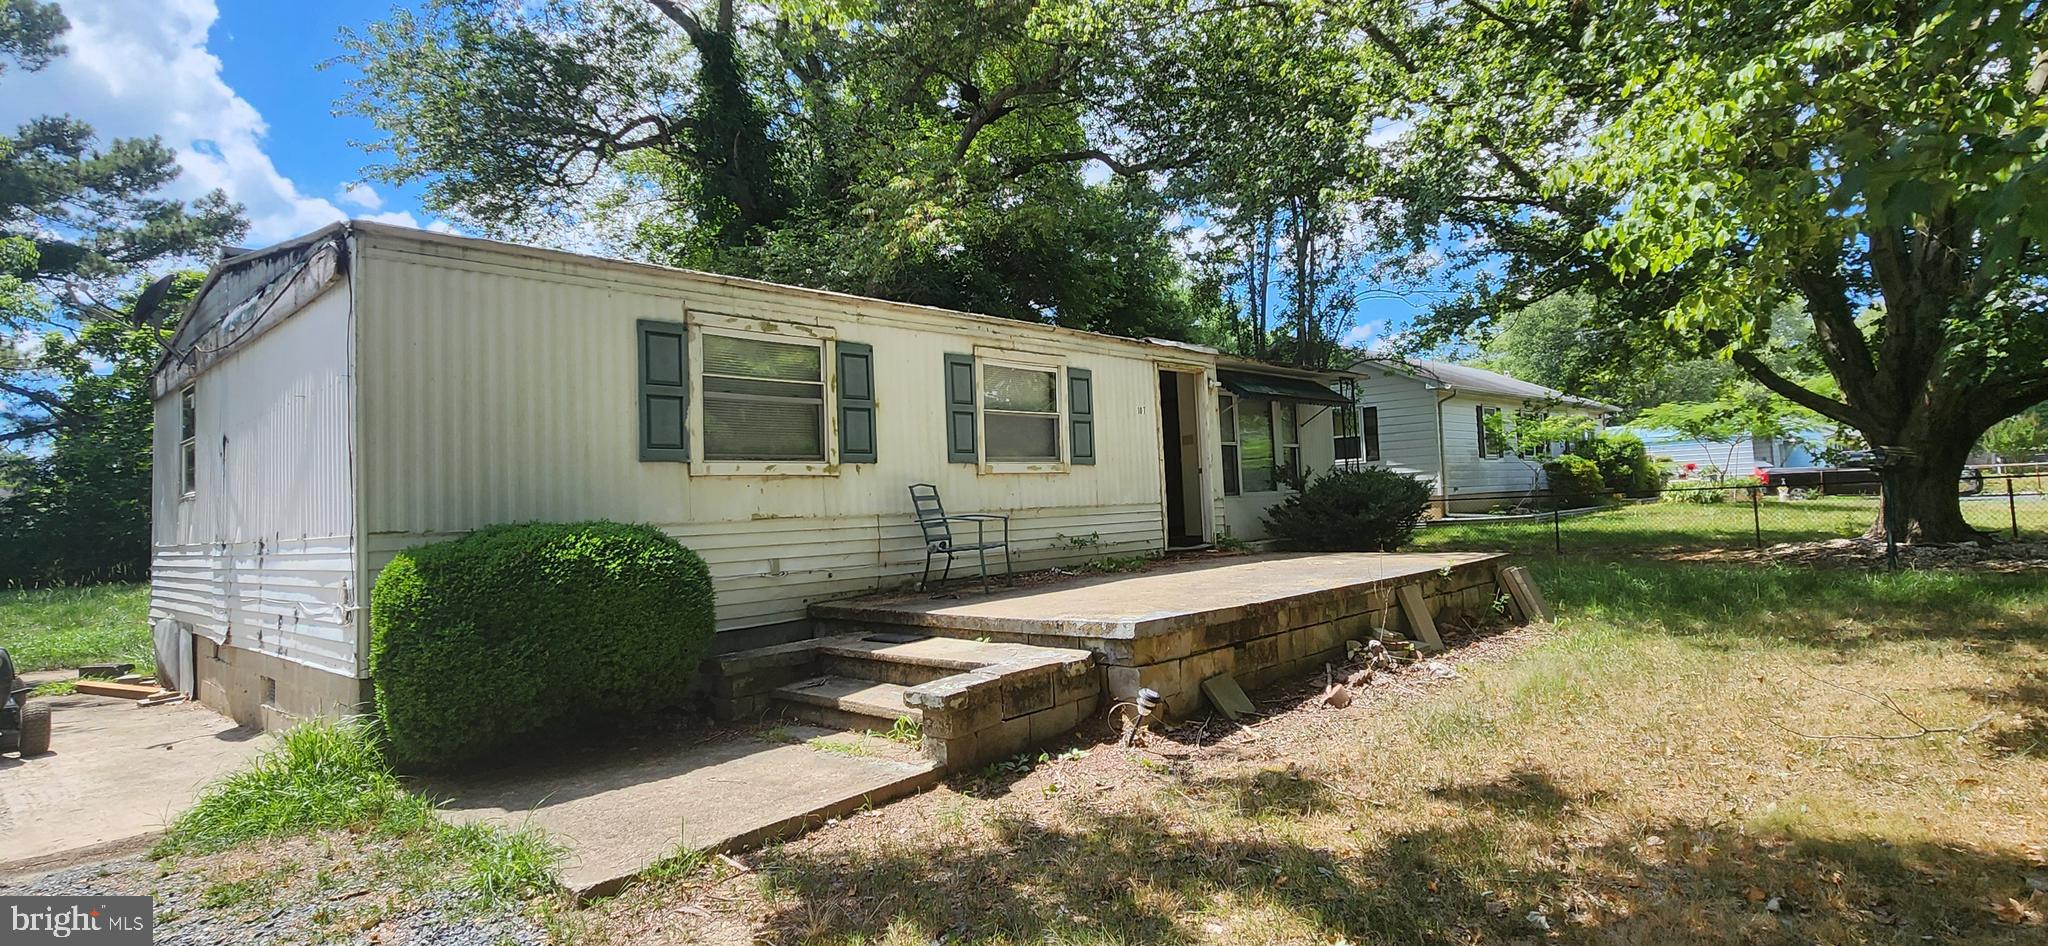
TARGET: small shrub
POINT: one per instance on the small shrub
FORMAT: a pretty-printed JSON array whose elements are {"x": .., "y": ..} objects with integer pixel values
[
  {"x": 1575, "y": 482},
  {"x": 486, "y": 640},
  {"x": 1625, "y": 465},
  {"x": 1705, "y": 492},
  {"x": 1365, "y": 510}
]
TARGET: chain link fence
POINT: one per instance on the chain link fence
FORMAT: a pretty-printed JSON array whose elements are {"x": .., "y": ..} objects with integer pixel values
[{"x": 1713, "y": 516}]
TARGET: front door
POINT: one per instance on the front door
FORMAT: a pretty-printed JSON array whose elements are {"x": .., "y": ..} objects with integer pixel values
[{"x": 1182, "y": 474}]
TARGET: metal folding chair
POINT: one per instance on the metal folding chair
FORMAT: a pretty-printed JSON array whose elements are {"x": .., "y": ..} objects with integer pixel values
[{"x": 939, "y": 540}]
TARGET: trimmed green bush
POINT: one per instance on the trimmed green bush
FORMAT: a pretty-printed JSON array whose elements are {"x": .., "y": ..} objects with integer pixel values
[
  {"x": 1364, "y": 510},
  {"x": 481, "y": 641},
  {"x": 1625, "y": 465},
  {"x": 1575, "y": 482}
]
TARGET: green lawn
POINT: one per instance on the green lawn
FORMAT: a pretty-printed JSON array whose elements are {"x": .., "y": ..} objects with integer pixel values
[
  {"x": 1635, "y": 774},
  {"x": 1720, "y": 525},
  {"x": 53, "y": 628}
]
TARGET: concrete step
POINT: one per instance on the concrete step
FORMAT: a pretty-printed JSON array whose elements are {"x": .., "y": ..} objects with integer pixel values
[
  {"x": 914, "y": 658},
  {"x": 846, "y": 702}
]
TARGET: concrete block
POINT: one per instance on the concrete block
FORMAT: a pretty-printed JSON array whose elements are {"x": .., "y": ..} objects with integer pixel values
[{"x": 1027, "y": 692}]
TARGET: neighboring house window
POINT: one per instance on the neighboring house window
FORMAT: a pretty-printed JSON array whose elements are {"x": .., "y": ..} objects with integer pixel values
[
  {"x": 1344, "y": 422},
  {"x": 1286, "y": 424},
  {"x": 188, "y": 442},
  {"x": 1493, "y": 435},
  {"x": 1369, "y": 432},
  {"x": 1255, "y": 445},
  {"x": 763, "y": 400},
  {"x": 1020, "y": 413},
  {"x": 1226, "y": 411}
]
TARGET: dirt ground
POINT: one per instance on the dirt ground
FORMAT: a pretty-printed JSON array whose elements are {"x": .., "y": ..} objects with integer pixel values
[{"x": 115, "y": 774}]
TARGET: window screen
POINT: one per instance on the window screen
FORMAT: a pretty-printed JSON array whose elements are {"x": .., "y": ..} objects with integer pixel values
[{"x": 763, "y": 400}]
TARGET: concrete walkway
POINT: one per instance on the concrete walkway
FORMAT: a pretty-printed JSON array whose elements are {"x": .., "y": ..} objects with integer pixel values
[
  {"x": 621, "y": 812},
  {"x": 116, "y": 773}
]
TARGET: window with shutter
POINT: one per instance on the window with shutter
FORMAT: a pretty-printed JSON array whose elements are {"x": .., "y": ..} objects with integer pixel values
[
  {"x": 664, "y": 391},
  {"x": 1369, "y": 421}
]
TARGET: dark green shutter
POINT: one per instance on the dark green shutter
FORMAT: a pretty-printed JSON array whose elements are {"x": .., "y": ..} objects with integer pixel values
[
  {"x": 960, "y": 400},
  {"x": 1081, "y": 415},
  {"x": 664, "y": 351},
  {"x": 856, "y": 402}
]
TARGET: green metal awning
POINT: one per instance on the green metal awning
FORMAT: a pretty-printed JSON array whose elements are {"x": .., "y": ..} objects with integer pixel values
[{"x": 1278, "y": 386}]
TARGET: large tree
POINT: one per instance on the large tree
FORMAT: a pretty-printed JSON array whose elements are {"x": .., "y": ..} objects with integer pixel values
[
  {"x": 81, "y": 227},
  {"x": 1697, "y": 165},
  {"x": 925, "y": 150}
]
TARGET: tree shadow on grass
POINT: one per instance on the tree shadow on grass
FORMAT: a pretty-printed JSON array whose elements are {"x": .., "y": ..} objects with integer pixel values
[
  {"x": 1111, "y": 876},
  {"x": 2026, "y": 698}
]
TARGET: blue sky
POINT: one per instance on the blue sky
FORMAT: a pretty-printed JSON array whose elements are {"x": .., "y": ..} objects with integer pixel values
[{"x": 235, "y": 86}]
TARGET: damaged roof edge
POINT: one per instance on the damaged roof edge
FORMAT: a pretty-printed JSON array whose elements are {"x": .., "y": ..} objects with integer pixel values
[
  {"x": 193, "y": 321},
  {"x": 244, "y": 297}
]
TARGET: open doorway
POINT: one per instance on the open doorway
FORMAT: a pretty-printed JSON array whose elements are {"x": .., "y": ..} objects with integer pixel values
[{"x": 1181, "y": 456}]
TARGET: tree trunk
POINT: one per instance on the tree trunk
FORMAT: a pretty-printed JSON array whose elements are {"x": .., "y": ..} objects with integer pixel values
[{"x": 1926, "y": 492}]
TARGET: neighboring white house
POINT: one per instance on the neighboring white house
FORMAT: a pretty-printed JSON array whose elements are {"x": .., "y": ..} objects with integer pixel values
[
  {"x": 336, "y": 398},
  {"x": 1429, "y": 418},
  {"x": 1683, "y": 457}
]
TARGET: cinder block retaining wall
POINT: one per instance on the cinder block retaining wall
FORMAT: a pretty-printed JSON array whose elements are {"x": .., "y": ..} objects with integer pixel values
[{"x": 1258, "y": 643}]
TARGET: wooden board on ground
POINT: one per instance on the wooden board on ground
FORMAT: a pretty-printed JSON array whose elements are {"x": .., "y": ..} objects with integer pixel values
[
  {"x": 1522, "y": 588},
  {"x": 126, "y": 691},
  {"x": 1421, "y": 626},
  {"x": 1228, "y": 698}
]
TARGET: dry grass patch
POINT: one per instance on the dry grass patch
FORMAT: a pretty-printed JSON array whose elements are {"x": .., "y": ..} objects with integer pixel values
[{"x": 1627, "y": 776}]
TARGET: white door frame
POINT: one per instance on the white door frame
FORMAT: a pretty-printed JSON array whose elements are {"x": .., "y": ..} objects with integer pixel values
[{"x": 1203, "y": 426}]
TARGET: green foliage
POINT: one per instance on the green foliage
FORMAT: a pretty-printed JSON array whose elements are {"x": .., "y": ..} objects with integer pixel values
[
  {"x": 2018, "y": 438},
  {"x": 322, "y": 774},
  {"x": 1363, "y": 510},
  {"x": 81, "y": 223},
  {"x": 1575, "y": 481},
  {"x": 1711, "y": 491},
  {"x": 1624, "y": 465},
  {"x": 1872, "y": 162},
  {"x": 929, "y": 151},
  {"x": 80, "y": 509},
  {"x": 516, "y": 630},
  {"x": 332, "y": 775}
]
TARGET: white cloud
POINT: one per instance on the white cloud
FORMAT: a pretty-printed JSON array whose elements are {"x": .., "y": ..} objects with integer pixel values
[
  {"x": 361, "y": 195},
  {"x": 141, "y": 67}
]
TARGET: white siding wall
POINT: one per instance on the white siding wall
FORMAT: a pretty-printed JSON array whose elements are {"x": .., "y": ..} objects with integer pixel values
[
  {"x": 262, "y": 555},
  {"x": 501, "y": 386},
  {"x": 1408, "y": 434},
  {"x": 1470, "y": 473}
]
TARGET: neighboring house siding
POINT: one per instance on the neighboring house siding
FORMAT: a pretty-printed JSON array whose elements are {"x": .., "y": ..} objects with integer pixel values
[
  {"x": 1673, "y": 451},
  {"x": 1470, "y": 473},
  {"x": 500, "y": 387},
  {"x": 262, "y": 554},
  {"x": 1408, "y": 418}
]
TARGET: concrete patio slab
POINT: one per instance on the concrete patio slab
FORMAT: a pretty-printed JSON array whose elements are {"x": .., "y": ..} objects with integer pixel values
[
  {"x": 1161, "y": 601},
  {"x": 115, "y": 775},
  {"x": 625, "y": 811}
]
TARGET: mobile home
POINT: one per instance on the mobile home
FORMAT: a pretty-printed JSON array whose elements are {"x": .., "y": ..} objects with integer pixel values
[{"x": 336, "y": 398}]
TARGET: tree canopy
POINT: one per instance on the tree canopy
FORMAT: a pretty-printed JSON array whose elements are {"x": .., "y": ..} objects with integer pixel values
[{"x": 1698, "y": 166}]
